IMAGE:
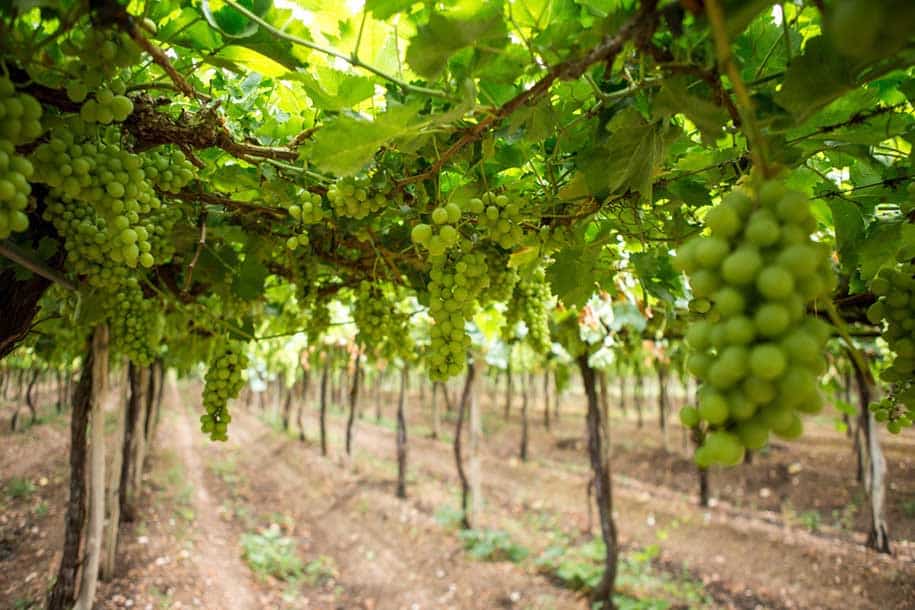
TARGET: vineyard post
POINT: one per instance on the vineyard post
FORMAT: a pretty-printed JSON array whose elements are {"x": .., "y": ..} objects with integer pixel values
[
  {"x": 878, "y": 537},
  {"x": 322, "y": 415},
  {"x": 402, "y": 434},
  {"x": 525, "y": 391},
  {"x": 96, "y": 521},
  {"x": 112, "y": 500},
  {"x": 139, "y": 439}
]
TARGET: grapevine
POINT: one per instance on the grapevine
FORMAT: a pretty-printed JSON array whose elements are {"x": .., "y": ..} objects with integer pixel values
[{"x": 20, "y": 123}]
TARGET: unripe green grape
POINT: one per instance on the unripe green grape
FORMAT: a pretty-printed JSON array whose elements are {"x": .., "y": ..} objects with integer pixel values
[
  {"x": 741, "y": 266},
  {"x": 775, "y": 283},
  {"x": 767, "y": 361},
  {"x": 689, "y": 417}
]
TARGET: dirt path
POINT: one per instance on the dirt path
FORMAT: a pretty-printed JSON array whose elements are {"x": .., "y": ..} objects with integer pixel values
[{"x": 227, "y": 580}]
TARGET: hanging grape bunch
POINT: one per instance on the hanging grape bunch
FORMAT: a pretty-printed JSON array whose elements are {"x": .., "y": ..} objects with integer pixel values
[
  {"x": 102, "y": 200},
  {"x": 895, "y": 289},
  {"x": 223, "y": 381},
  {"x": 353, "y": 197},
  {"x": 502, "y": 278},
  {"x": 307, "y": 211},
  {"x": 757, "y": 351},
  {"x": 20, "y": 123},
  {"x": 383, "y": 328},
  {"x": 98, "y": 56},
  {"x": 443, "y": 234},
  {"x": 456, "y": 283},
  {"x": 529, "y": 303},
  {"x": 135, "y": 324},
  {"x": 501, "y": 218}
]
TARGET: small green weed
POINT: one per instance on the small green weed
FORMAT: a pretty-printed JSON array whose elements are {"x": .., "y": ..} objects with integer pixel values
[
  {"x": 269, "y": 553},
  {"x": 908, "y": 508},
  {"x": 320, "y": 570},
  {"x": 18, "y": 487},
  {"x": 41, "y": 511},
  {"x": 811, "y": 520},
  {"x": 448, "y": 516},
  {"x": 492, "y": 545}
]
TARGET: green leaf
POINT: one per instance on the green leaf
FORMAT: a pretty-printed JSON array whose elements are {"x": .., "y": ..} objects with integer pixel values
[
  {"x": 249, "y": 283},
  {"x": 576, "y": 272},
  {"x": 675, "y": 98},
  {"x": 523, "y": 256},
  {"x": 362, "y": 139},
  {"x": 444, "y": 35},
  {"x": 879, "y": 248},
  {"x": 849, "y": 226},
  {"x": 230, "y": 21},
  {"x": 814, "y": 79},
  {"x": 334, "y": 90},
  {"x": 382, "y": 9}
]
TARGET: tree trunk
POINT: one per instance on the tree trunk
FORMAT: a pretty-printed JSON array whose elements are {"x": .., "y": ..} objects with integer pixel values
[
  {"x": 603, "y": 394},
  {"x": 132, "y": 418},
  {"x": 525, "y": 390},
  {"x": 61, "y": 391},
  {"x": 638, "y": 395},
  {"x": 306, "y": 380},
  {"x": 546, "y": 400},
  {"x": 878, "y": 537},
  {"x": 436, "y": 419},
  {"x": 139, "y": 443},
  {"x": 458, "y": 430},
  {"x": 63, "y": 595},
  {"x": 663, "y": 405},
  {"x": 703, "y": 487},
  {"x": 113, "y": 501},
  {"x": 557, "y": 396},
  {"x": 353, "y": 396},
  {"x": 402, "y": 435},
  {"x": 476, "y": 480},
  {"x": 379, "y": 381},
  {"x": 622, "y": 384},
  {"x": 323, "y": 409},
  {"x": 600, "y": 466},
  {"x": 287, "y": 409},
  {"x": 508, "y": 389},
  {"x": 96, "y": 522}
]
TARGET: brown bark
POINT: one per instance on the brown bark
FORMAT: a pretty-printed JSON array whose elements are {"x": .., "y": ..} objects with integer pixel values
[
  {"x": 600, "y": 466},
  {"x": 458, "y": 458},
  {"x": 525, "y": 389},
  {"x": 353, "y": 396},
  {"x": 878, "y": 537},
  {"x": 323, "y": 409},
  {"x": 63, "y": 594},
  {"x": 402, "y": 435},
  {"x": 546, "y": 400}
]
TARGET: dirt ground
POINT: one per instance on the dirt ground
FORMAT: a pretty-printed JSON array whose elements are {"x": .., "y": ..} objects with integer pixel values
[{"x": 783, "y": 532}]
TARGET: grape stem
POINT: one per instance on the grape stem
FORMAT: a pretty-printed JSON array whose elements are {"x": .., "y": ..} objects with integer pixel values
[
  {"x": 853, "y": 350},
  {"x": 16, "y": 255},
  {"x": 202, "y": 221},
  {"x": 758, "y": 147}
]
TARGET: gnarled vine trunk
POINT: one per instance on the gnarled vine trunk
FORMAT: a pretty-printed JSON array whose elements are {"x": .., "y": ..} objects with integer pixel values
[
  {"x": 525, "y": 390},
  {"x": 878, "y": 537},
  {"x": 458, "y": 432},
  {"x": 663, "y": 405},
  {"x": 600, "y": 467},
  {"x": 353, "y": 396},
  {"x": 322, "y": 416}
]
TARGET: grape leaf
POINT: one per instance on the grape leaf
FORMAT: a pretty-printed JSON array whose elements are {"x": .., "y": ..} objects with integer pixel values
[{"x": 444, "y": 35}]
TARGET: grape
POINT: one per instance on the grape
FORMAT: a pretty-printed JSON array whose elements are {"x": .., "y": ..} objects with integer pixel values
[
  {"x": 223, "y": 381},
  {"x": 689, "y": 417},
  {"x": 893, "y": 311},
  {"x": 444, "y": 219},
  {"x": 383, "y": 327},
  {"x": 529, "y": 303},
  {"x": 501, "y": 219},
  {"x": 356, "y": 198},
  {"x": 136, "y": 329},
  {"x": 756, "y": 349},
  {"x": 20, "y": 116}
]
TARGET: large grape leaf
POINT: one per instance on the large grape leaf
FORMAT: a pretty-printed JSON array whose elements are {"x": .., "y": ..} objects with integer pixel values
[
  {"x": 444, "y": 35},
  {"x": 348, "y": 143},
  {"x": 849, "y": 226},
  {"x": 814, "y": 79}
]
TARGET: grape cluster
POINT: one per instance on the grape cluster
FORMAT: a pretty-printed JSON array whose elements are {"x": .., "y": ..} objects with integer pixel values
[
  {"x": 529, "y": 304},
  {"x": 136, "y": 329},
  {"x": 106, "y": 107},
  {"x": 353, "y": 197},
  {"x": 101, "y": 200},
  {"x": 20, "y": 123},
  {"x": 318, "y": 321},
  {"x": 501, "y": 218},
  {"x": 308, "y": 212},
  {"x": 895, "y": 289},
  {"x": 445, "y": 219},
  {"x": 168, "y": 169},
  {"x": 456, "y": 282},
  {"x": 223, "y": 381},
  {"x": 757, "y": 351},
  {"x": 97, "y": 55},
  {"x": 502, "y": 278},
  {"x": 383, "y": 328}
]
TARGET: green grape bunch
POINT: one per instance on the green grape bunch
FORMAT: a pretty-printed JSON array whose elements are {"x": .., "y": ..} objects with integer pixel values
[
  {"x": 756, "y": 350},
  {"x": 501, "y": 218},
  {"x": 98, "y": 56},
  {"x": 456, "y": 282},
  {"x": 353, "y": 197},
  {"x": 443, "y": 234},
  {"x": 382, "y": 327},
  {"x": 223, "y": 382},
  {"x": 306, "y": 211},
  {"x": 20, "y": 123},
  {"x": 894, "y": 288},
  {"x": 136, "y": 326},
  {"x": 529, "y": 304},
  {"x": 502, "y": 278}
]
